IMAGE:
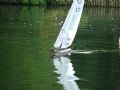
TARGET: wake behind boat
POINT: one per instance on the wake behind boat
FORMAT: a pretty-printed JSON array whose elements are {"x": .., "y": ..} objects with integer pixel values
[{"x": 69, "y": 28}]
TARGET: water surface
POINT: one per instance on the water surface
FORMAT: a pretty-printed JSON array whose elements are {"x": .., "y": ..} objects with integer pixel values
[{"x": 27, "y": 35}]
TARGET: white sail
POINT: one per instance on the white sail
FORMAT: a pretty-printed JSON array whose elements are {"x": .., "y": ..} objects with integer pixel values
[{"x": 69, "y": 28}]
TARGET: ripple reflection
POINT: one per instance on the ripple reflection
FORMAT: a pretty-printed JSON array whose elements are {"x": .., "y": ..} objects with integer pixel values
[{"x": 65, "y": 70}]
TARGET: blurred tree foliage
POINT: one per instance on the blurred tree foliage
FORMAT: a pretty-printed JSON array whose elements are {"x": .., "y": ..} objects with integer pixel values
[
  {"x": 28, "y": 2},
  {"x": 88, "y": 3},
  {"x": 38, "y": 2}
]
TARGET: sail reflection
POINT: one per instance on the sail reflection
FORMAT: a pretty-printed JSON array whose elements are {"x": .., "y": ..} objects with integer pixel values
[
  {"x": 119, "y": 42},
  {"x": 66, "y": 72}
]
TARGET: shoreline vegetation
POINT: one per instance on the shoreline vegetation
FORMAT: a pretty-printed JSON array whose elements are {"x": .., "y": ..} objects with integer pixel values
[{"x": 88, "y": 3}]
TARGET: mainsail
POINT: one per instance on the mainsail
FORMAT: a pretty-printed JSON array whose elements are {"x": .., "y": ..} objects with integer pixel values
[{"x": 70, "y": 26}]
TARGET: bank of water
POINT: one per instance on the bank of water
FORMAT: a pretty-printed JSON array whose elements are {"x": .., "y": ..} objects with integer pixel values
[{"x": 88, "y": 3}]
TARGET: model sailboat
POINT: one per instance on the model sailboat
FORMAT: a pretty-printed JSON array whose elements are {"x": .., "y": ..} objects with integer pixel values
[{"x": 70, "y": 26}]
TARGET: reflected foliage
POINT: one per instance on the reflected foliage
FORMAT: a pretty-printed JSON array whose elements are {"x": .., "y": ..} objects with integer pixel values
[
  {"x": 26, "y": 37},
  {"x": 99, "y": 30}
]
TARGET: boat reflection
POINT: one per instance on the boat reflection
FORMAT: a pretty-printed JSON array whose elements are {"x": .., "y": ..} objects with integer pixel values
[
  {"x": 119, "y": 42},
  {"x": 65, "y": 70}
]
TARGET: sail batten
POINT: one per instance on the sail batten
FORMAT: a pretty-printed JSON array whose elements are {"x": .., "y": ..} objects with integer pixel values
[{"x": 70, "y": 26}]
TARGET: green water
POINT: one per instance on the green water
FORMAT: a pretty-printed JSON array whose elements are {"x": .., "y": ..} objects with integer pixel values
[
  {"x": 28, "y": 33},
  {"x": 100, "y": 32}
]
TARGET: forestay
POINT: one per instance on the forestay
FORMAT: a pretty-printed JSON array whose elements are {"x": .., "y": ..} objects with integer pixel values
[{"x": 69, "y": 28}]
